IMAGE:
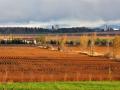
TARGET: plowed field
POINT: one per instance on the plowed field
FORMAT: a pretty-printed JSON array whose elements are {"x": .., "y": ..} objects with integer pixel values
[{"x": 24, "y": 64}]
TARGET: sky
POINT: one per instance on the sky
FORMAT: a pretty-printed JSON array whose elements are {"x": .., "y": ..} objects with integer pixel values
[{"x": 89, "y": 13}]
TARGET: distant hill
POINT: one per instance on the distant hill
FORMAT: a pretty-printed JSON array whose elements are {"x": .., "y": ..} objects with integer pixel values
[{"x": 26, "y": 30}]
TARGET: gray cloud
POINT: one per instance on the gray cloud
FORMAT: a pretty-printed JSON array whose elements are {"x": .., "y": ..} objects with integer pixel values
[{"x": 23, "y": 11}]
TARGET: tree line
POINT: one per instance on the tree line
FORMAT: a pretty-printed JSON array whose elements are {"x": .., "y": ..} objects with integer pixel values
[
  {"x": 42, "y": 41},
  {"x": 26, "y": 30}
]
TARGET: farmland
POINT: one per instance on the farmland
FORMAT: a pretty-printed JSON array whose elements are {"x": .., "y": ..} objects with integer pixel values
[
  {"x": 47, "y": 58},
  {"x": 34, "y": 64}
]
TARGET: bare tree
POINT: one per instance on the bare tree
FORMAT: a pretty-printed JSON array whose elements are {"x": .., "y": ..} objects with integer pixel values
[
  {"x": 92, "y": 43},
  {"x": 11, "y": 37},
  {"x": 41, "y": 40},
  {"x": 84, "y": 42},
  {"x": 116, "y": 46},
  {"x": 62, "y": 42}
]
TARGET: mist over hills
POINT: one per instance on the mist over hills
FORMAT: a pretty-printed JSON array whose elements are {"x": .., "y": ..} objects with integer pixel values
[{"x": 113, "y": 26}]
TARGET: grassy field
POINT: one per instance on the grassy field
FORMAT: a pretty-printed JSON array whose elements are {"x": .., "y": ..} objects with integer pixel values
[{"x": 113, "y": 85}]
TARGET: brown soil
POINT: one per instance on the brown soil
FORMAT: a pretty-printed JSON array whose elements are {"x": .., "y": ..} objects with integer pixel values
[{"x": 23, "y": 64}]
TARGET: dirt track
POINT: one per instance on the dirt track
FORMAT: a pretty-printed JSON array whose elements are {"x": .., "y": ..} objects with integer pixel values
[{"x": 34, "y": 64}]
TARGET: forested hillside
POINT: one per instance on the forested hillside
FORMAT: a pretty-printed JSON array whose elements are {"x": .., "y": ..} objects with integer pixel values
[{"x": 23, "y": 30}]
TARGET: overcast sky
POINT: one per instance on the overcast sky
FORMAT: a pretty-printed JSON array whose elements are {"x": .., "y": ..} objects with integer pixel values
[{"x": 68, "y": 12}]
